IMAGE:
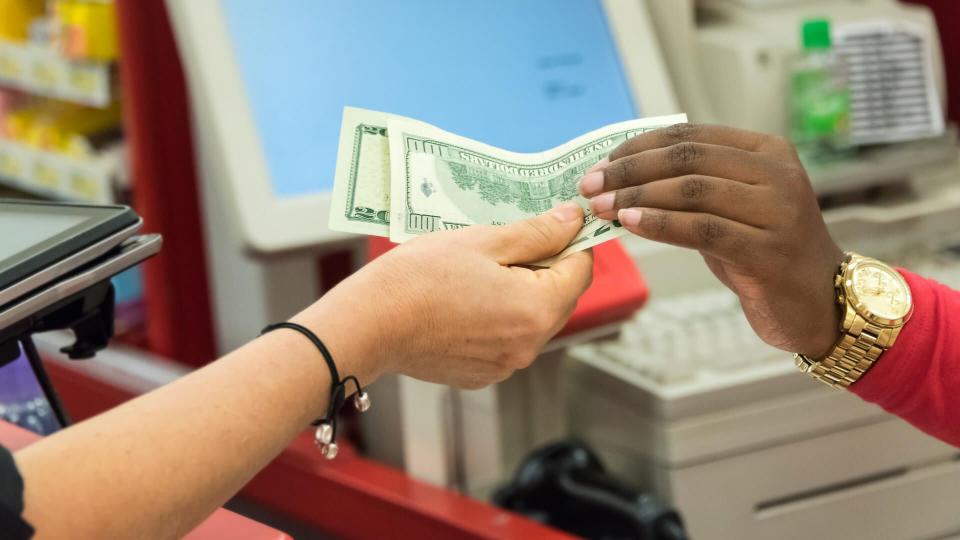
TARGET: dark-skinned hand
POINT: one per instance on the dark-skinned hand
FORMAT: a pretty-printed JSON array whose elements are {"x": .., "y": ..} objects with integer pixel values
[{"x": 744, "y": 201}]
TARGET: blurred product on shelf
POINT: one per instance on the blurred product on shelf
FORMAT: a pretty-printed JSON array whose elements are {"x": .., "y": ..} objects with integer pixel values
[
  {"x": 68, "y": 52},
  {"x": 18, "y": 15},
  {"x": 87, "y": 29},
  {"x": 59, "y": 176},
  {"x": 10, "y": 100},
  {"x": 71, "y": 129},
  {"x": 62, "y": 150},
  {"x": 820, "y": 100}
]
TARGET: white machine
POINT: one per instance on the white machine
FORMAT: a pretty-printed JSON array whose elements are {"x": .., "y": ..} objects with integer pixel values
[
  {"x": 268, "y": 85},
  {"x": 730, "y": 60},
  {"x": 689, "y": 403}
]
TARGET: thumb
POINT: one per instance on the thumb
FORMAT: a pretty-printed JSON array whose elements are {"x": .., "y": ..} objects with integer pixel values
[{"x": 537, "y": 238}]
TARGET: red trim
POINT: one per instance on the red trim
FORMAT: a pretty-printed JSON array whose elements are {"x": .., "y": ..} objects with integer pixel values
[
  {"x": 350, "y": 497},
  {"x": 353, "y": 497},
  {"x": 165, "y": 184}
]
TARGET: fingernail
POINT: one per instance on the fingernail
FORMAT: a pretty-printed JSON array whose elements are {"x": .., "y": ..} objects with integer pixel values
[
  {"x": 630, "y": 217},
  {"x": 567, "y": 211},
  {"x": 602, "y": 202},
  {"x": 600, "y": 165},
  {"x": 591, "y": 183}
]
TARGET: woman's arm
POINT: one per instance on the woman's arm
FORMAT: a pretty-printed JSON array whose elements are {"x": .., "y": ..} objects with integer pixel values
[
  {"x": 158, "y": 465},
  {"x": 445, "y": 308}
]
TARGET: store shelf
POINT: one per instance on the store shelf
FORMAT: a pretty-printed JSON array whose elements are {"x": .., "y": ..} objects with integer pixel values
[
  {"x": 43, "y": 71},
  {"x": 57, "y": 176}
]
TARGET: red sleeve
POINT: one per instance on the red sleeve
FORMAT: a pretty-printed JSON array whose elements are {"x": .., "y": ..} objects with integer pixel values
[{"x": 918, "y": 379}]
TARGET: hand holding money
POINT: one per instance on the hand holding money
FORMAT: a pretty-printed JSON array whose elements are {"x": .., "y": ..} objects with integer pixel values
[
  {"x": 460, "y": 307},
  {"x": 401, "y": 178}
]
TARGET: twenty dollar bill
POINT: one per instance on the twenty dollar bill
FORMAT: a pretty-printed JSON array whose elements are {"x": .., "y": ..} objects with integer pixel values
[{"x": 400, "y": 177}]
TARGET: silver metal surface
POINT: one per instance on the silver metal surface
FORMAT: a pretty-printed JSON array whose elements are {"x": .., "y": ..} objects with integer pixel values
[
  {"x": 136, "y": 251},
  {"x": 67, "y": 265}
]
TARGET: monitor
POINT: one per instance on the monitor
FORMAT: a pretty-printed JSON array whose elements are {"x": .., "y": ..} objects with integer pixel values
[
  {"x": 42, "y": 234},
  {"x": 269, "y": 82}
]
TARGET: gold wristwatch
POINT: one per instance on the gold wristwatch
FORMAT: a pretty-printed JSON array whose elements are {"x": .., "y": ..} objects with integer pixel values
[{"x": 876, "y": 304}]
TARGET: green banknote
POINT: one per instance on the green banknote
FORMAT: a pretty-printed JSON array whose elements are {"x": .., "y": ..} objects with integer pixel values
[
  {"x": 400, "y": 178},
  {"x": 440, "y": 180},
  {"x": 360, "y": 202}
]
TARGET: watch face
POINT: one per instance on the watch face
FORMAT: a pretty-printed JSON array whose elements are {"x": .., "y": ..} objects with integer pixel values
[{"x": 881, "y": 291}]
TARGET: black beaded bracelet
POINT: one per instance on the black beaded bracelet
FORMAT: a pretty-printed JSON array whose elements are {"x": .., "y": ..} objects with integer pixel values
[{"x": 325, "y": 437}]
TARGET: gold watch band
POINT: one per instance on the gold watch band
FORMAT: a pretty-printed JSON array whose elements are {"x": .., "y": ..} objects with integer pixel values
[
  {"x": 862, "y": 340},
  {"x": 853, "y": 355}
]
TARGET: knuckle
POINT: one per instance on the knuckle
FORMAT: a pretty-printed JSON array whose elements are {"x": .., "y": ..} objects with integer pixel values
[
  {"x": 542, "y": 321},
  {"x": 684, "y": 155},
  {"x": 792, "y": 170},
  {"x": 778, "y": 141},
  {"x": 531, "y": 323},
  {"x": 708, "y": 230},
  {"x": 615, "y": 174},
  {"x": 680, "y": 132},
  {"x": 694, "y": 187},
  {"x": 626, "y": 148},
  {"x": 659, "y": 221},
  {"x": 538, "y": 232},
  {"x": 628, "y": 197}
]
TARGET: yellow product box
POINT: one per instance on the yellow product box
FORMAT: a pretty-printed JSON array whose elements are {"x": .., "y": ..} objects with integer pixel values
[
  {"x": 16, "y": 16},
  {"x": 88, "y": 29}
]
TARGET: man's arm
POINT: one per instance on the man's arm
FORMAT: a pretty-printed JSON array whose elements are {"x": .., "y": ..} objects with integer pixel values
[
  {"x": 919, "y": 378},
  {"x": 745, "y": 202}
]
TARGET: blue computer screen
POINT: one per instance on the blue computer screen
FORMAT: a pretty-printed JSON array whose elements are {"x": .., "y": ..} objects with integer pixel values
[{"x": 524, "y": 75}]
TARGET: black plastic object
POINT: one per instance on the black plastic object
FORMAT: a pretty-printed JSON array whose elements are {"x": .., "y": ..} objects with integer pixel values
[
  {"x": 88, "y": 313},
  {"x": 96, "y": 223},
  {"x": 565, "y": 485}
]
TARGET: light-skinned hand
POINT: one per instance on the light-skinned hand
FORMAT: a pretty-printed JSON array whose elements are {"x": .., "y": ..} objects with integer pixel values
[{"x": 458, "y": 307}]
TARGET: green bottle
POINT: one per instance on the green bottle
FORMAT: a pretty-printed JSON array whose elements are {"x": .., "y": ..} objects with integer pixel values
[{"x": 820, "y": 100}]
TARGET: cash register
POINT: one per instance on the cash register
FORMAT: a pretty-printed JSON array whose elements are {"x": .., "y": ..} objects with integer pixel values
[{"x": 56, "y": 261}]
